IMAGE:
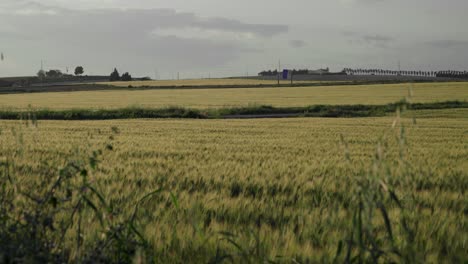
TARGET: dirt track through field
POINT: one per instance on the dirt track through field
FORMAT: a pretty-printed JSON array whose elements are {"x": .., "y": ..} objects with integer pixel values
[{"x": 262, "y": 116}]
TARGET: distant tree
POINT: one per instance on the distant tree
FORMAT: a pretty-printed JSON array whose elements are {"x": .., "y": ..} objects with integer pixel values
[
  {"x": 53, "y": 73},
  {"x": 114, "y": 76},
  {"x": 126, "y": 77},
  {"x": 79, "y": 70},
  {"x": 41, "y": 74}
]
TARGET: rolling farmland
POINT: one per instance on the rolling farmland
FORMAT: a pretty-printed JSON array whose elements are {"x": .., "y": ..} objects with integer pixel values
[
  {"x": 332, "y": 132},
  {"x": 201, "y": 82},
  {"x": 218, "y": 98},
  {"x": 306, "y": 190},
  {"x": 256, "y": 189}
]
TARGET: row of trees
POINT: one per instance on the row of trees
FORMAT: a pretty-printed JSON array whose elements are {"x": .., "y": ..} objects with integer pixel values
[
  {"x": 275, "y": 72},
  {"x": 389, "y": 72},
  {"x": 453, "y": 74},
  {"x": 381, "y": 72},
  {"x": 447, "y": 74},
  {"x": 269, "y": 73},
  {"x": 79, "y": 70},
  {"x": 115, "y": 76},
  {"x": 54, "y": 74},
  {"x": 300, "y": 72}
]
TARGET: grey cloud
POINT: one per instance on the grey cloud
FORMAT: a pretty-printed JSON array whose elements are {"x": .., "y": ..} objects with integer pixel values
[
  {"x": 113, "y": 36},
  {"x": 25, "y": 7},
  {"x": 374, "y": 40},
  {"x": 369, "y": 1},
  {"x": 139, "y": 39},
  {"x": 361, "y": 1},
  {"x": 237, "y": 26},
  {"x": 449, "y": 43},
  {"x": 297, "y": 43},
  {"x": 377, "y": 40},
  {"x": 139, "y": 19}
]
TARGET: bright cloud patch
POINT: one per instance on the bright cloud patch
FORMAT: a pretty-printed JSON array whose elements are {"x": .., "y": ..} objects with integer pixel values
[
  {"x": 203, "y": 33},
  {"x": 26, "y": 8}
]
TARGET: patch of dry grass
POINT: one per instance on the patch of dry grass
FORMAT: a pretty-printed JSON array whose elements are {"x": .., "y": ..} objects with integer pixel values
[
  {"x": 201, "y": 82},
  {"x": 217, "y": 98}
]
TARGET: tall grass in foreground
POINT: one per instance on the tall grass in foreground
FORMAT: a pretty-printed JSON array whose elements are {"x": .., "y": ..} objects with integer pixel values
[
  {"x": 47, "y": 221},
  {"x": 374, "y": 196}
]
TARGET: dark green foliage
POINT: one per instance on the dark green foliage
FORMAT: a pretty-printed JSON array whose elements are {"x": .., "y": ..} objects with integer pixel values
[
  {"x": 54, "y": 74},
  {"x": 41, "y": 74},
  {"x": 79, "y": 70},
  {"x": 236, "y": 189},
  {"x": 126, "y": 113},
  {"x": 114, "y": 76},
  {"x": 4, "y": 83},
  {"x": 126, "y": 77},
  {"x": 241, "y": 112}
]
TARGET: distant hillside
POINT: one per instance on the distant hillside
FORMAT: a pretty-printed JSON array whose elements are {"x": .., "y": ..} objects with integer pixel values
[
  {"x": 5, "y": 83},
  {"x": 26, "y": 81},
  {"x": 355, "y": 78}
]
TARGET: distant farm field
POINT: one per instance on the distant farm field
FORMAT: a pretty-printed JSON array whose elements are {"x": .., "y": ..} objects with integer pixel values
[
  {"x": 276, "y": 189},
  {"x": 217, "y": 98},
  {"x": 201, "y": 82}
]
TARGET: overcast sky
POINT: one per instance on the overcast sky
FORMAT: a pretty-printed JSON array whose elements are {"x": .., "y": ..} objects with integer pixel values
[{"x": 227, "y": 38}]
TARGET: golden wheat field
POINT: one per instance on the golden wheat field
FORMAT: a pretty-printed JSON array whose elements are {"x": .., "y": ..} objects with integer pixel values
[
  {"x": 202, "y": 82},
  {"x": 278, "y": 189},
  {"x": 217, "y": 98}
]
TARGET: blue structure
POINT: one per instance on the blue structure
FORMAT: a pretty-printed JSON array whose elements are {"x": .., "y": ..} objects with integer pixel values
[{"x": 285, "y": 74}]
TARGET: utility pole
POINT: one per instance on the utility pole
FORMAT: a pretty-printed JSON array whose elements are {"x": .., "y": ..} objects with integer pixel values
[
  {"x": 279, "y": 69},
  {"x": 292, "y": 78},
  {"x": 399, "y": 68},
  {"x": 42, "y": 71}
]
